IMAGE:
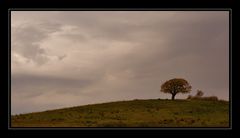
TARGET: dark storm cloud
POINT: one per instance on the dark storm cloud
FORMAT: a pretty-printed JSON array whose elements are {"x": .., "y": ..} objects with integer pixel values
[{"x": 90, "y": 57}]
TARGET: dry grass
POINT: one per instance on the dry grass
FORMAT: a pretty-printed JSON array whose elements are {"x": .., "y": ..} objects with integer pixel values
[{"x": 137, "y": 113}]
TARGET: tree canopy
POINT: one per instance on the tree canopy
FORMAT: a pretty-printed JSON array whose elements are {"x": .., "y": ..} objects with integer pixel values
[{"x": 175, "y": 86}]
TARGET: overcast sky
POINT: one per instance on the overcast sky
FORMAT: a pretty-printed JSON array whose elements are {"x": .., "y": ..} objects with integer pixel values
[{"x": 70, "y": 58}]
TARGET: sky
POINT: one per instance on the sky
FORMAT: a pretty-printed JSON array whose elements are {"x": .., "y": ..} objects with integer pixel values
[{"x": 71, "y": 58}]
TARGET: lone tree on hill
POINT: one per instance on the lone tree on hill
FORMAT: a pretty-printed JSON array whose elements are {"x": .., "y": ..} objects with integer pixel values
[{"x": 175, "y": 86}]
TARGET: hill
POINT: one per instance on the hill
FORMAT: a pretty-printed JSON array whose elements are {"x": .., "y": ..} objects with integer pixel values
[{"x": 135, "y": 113}]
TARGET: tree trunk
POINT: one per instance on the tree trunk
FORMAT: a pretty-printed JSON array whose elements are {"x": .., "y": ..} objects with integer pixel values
[{"x": 173, "y": 96}]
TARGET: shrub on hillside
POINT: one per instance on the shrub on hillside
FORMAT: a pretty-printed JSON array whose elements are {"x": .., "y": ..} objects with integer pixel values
[
  {"x": 199, "y": 96},
  {"x": 210, "y": 98},
  {"x": 189, "y": 97},
  {"x": 199, "y": 93}
]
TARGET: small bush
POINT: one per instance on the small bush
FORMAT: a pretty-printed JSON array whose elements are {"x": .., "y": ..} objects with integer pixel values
[
  {"x": 211, "y": 98},
  {"x": 199, "y": 95},
  {"x": 196, "y": 98},
  {"x": 189, "y": 97}
]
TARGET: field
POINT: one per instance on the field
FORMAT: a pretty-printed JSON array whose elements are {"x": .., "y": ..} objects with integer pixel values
[{"x": 135, "y": 113}]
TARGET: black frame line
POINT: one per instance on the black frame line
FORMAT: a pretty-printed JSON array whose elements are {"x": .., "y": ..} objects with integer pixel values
[
  {"x": 120, "y": 128},
  {"x": 10, "y": 69}
]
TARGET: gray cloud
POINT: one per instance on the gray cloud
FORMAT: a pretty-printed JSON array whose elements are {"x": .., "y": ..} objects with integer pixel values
[
  {"x": 90, "y": 57},
  {"x": 26, "y": 40},
  {"x": 46, "y": 82}
]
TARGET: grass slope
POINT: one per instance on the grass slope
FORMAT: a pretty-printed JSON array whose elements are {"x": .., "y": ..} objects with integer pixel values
[{"x": 136, "y": 113}]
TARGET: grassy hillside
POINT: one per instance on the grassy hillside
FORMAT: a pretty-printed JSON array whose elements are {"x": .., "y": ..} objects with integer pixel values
[{"x": 136, "y": 113}]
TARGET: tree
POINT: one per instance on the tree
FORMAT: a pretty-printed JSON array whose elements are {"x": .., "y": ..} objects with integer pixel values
[{"x": 175, "y": 86}]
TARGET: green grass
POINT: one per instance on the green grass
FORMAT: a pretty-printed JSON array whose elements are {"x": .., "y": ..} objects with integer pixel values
[{"x": 136, "y": 113}]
